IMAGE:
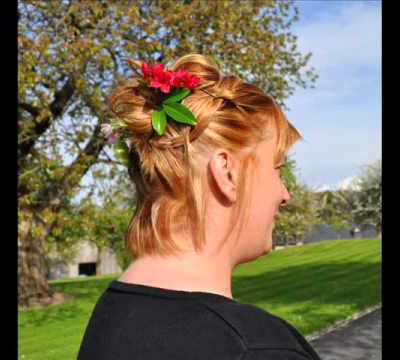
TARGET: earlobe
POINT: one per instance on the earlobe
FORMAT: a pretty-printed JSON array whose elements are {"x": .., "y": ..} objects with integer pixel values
[{"x": 223, "y": 169}]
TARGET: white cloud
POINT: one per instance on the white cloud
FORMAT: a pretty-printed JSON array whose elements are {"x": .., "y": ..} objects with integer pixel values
[
  {"x": 349, "y": 183},
  {"x": 338, "y": 145},
  {"x": 324, "y": 187},
  {"x": 349, "y": 35},
  {"x": 341, "y": 118},
  {"x": 346, "y": 53},
  {"x": 331, "y": 154}
]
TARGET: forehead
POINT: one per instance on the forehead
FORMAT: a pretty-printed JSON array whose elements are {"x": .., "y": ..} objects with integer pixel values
[
  {"x": 271, "y": 137},
  {"x": 268, "y": 148}
]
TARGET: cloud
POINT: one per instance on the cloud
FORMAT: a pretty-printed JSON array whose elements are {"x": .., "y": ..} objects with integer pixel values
[
  {"x": 324, "y": 187},
  {"x": 343, "y": 36},
  {"x": 330, "y": 154},
  {"x": 335, "y": 145},
  {"x": 349, "y": 183},
  {"x": 345, "y": 41},
  {"x": 341, "y": 118}
]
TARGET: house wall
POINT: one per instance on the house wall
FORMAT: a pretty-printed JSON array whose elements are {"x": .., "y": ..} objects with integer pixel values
[
  {"x": 108, "y": 263},
  {"x": 87, "y": 253}
]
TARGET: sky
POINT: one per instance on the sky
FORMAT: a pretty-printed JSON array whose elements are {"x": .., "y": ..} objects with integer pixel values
[{"x": 340, "y": 119}]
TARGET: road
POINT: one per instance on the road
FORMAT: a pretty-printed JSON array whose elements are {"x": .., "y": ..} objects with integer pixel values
[{"x": 361, "y": 339}]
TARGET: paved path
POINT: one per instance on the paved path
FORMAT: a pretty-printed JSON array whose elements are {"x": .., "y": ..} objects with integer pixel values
[{"x": 361, "y": 339}]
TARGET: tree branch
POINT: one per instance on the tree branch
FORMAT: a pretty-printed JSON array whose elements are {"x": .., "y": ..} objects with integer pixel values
[
  {"x": 44, "y": 118},
  {"x": 33, "y": 110},
  {"x": 59, "y": 191}
]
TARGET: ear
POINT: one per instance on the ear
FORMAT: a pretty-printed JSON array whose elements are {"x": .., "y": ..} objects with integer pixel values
[{"x": 224, "y": 170}]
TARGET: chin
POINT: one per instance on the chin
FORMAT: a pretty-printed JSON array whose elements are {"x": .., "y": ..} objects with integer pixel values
[
  {"x": 267, "y": 250},
  {"x": 263, "y": 252},
  {"x": 268, "y": 243},
  {"x": 256, "y": 253},
  {"x": 263, "y": 248}
]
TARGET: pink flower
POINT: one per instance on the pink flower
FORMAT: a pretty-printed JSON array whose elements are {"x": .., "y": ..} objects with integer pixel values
[
  {"x": 106, "y": 129},
  {"x": 108, "y": 132},
  {"x": 113, "y": 138}
]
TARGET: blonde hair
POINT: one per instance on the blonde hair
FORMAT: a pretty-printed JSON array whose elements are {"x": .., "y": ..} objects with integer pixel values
[{"x": 166, "y": 170}]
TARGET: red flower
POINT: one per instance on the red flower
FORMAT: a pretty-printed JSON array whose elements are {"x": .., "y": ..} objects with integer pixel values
[
  {"x": 147, "y": 71},
  {"x": 158, "y": 69},
  {"x": 165, "y": 80},
  {"x": 150, "y": 71},
  {"x": 192, "y": 82},
  {"x": 179, "y": 78},
  {"x": 162, "y": 80}
]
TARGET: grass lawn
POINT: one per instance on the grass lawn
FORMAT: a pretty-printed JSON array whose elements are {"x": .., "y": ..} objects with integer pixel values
[{"x": 310, "y": 286}]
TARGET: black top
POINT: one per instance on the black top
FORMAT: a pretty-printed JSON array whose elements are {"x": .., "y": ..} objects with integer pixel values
[{"x": 133, "y": 321}]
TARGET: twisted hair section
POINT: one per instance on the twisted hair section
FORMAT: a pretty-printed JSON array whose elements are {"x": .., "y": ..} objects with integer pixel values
[{"x": 168, "y": 171}]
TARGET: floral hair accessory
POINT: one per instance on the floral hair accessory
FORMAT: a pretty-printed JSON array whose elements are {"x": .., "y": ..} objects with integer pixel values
[
  {"x": 115, "y": 132},
  {"x": 177, "y": 85},
  {"x": 173, "y": 87}
]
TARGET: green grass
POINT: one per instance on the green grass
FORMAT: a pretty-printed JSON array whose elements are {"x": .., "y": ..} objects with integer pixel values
[{"x": 310, "y": 286}]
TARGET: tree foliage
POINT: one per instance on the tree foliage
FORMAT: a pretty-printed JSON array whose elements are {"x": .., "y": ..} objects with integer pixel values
[
  {"x": 70, "y": 54},
  {"x": 361, "y": 207},
  {"x": 334, "y": 208},
  {"x": 368, "y": 210},
  {"x": 102, "y": 224}
]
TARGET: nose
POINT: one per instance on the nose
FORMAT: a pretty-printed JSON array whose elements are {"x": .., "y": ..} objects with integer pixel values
[{"x": 286, "y": 197}]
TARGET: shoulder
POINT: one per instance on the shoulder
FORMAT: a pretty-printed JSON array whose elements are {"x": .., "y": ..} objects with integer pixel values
[{"x": 260, "y": 331}]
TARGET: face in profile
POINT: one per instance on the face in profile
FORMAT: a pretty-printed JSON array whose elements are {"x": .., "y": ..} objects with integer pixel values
[{"x": 267, "y": 193}]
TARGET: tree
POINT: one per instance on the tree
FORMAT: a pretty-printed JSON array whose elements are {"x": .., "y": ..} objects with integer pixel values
[
  {"x": 103, "y": 225},
  {"x": 368, "y": 211},
  {"x": 71, "y": 53},
  {"x": 339, "y": 208},
  {"x": 360, "y": 206},
  {"x": 332, "y": 207},
  {"x": 106, "y": 225}
]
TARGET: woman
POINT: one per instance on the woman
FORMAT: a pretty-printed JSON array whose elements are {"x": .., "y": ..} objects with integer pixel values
[{"x": 208, "y": 193}]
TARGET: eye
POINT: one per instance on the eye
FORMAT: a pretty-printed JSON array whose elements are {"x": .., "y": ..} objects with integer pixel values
[
  {"x": 279, "y": 168},
  {"x": 282, "y": 164}
]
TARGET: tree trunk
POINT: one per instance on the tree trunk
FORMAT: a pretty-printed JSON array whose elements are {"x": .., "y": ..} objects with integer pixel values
[
  {"x": 379, "y": 231},
  {"x": 33, "y": 287},
  {"x": 98, "y": 261}
]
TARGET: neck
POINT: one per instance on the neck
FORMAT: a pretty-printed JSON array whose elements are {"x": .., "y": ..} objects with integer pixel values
[
  {"x": 188, "y": 272},
  {"x": 207, "y": 271}
]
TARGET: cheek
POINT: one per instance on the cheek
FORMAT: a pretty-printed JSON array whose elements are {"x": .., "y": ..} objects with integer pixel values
[
  {"x": 266, "y": 199},
  {"x": 266, "y": 192}
]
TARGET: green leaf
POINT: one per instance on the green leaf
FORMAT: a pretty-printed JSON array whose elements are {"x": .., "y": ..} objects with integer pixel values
[
  {"x": 179, "y": 113},
  {"x": 159, "y": 121},
  {"x": 177, "y": 95},
  {"x": 121, "y": 152},
  {"x": 117, "y": 123}
]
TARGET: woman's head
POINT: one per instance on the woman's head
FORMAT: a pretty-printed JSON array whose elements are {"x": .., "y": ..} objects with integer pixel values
[{"x": 174, "y": 174}]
